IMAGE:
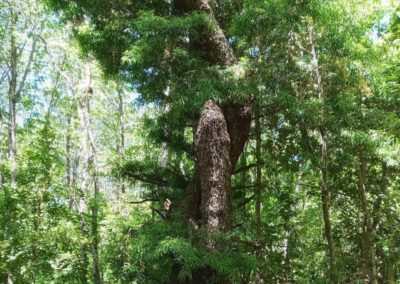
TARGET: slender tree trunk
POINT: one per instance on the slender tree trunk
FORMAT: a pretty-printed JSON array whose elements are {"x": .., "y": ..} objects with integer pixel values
[
  {"x": 391, "y": 268},
  {"x": 12, "y": 144},
  {"x": 389, "y": 263},
  {"x": 3, "y": 276},
  {"x": 2, "y": 178},
  {"x": 82, "y": 204},
  {"x": 368, "y": 229},
  {"x": 14, "y": 93},
  {"x": 121, "y": 133},
  {"x": 12, "y": 101},
  {"x": 83, "y": 252},
  {"x": 286, "y": 244},
  {"x": 91, "y": 173},
  {"x": 68, "y": 164},
  {"x": 325, "y": 194},
  {"x": 257, "y": 189},
  {"x": 365, "y": 252}
]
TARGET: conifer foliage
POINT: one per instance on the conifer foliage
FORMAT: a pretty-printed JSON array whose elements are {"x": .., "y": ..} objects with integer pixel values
[{"x": 199, "y": 141}]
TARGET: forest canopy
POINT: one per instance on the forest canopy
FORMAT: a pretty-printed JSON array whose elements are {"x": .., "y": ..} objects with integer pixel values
[{"x": 199, "y": 141}]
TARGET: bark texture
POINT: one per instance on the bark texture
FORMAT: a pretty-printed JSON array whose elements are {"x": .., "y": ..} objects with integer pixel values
[
  {"x": 220, "y": 135},
  {"x": 210, "y": 43},
  {"x": 214, "y": 167}
]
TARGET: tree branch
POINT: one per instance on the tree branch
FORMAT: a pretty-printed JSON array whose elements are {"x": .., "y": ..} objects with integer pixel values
[
  {"x": 142, "y": 201},
  {"x": 246, "y": 200},
  {"x": 245, "y": 168},
  {"x": 27, "y": 68}
]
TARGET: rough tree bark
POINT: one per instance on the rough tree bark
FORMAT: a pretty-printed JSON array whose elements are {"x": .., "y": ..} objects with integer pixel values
[
  {"x": 234, "y": 118},
  {"x": 220, "y": 135},
  {"x": 214, "y": 167}
]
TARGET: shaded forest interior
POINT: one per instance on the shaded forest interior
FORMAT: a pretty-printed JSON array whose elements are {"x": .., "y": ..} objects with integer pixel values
[{"x": 199, "y": 141}]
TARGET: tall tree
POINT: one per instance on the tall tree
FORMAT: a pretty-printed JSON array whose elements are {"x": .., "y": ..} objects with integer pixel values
[
  {"x": 90, "y": 175},
  {"x": 325, "y": 194}
]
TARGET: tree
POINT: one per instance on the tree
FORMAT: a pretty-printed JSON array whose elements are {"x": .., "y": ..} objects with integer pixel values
[{"x": 202, "y": 141}]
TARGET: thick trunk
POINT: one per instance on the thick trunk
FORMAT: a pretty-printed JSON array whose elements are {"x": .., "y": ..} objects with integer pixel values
[
  {"x": 211, "y": 42},
  {"x": 233, "y": 120},
  {"x": 325, "y": 194},
  {"x": 220, "y": 135},
  {"x": 214, "y": 167}
]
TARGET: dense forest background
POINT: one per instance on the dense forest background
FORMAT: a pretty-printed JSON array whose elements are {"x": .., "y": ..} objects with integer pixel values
[{"x": 199, "y": 141}]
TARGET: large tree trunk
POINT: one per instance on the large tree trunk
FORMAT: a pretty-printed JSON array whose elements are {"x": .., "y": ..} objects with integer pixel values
[
  {"x": 220, "y": 135},
  {"x": 214, "y": 167}
]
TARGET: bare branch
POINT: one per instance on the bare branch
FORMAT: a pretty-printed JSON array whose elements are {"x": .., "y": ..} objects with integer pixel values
[{"x": 142, "y": 201}]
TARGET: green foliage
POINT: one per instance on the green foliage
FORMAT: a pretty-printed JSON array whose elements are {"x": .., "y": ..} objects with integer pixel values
[{"x": 147, "y": 65}]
